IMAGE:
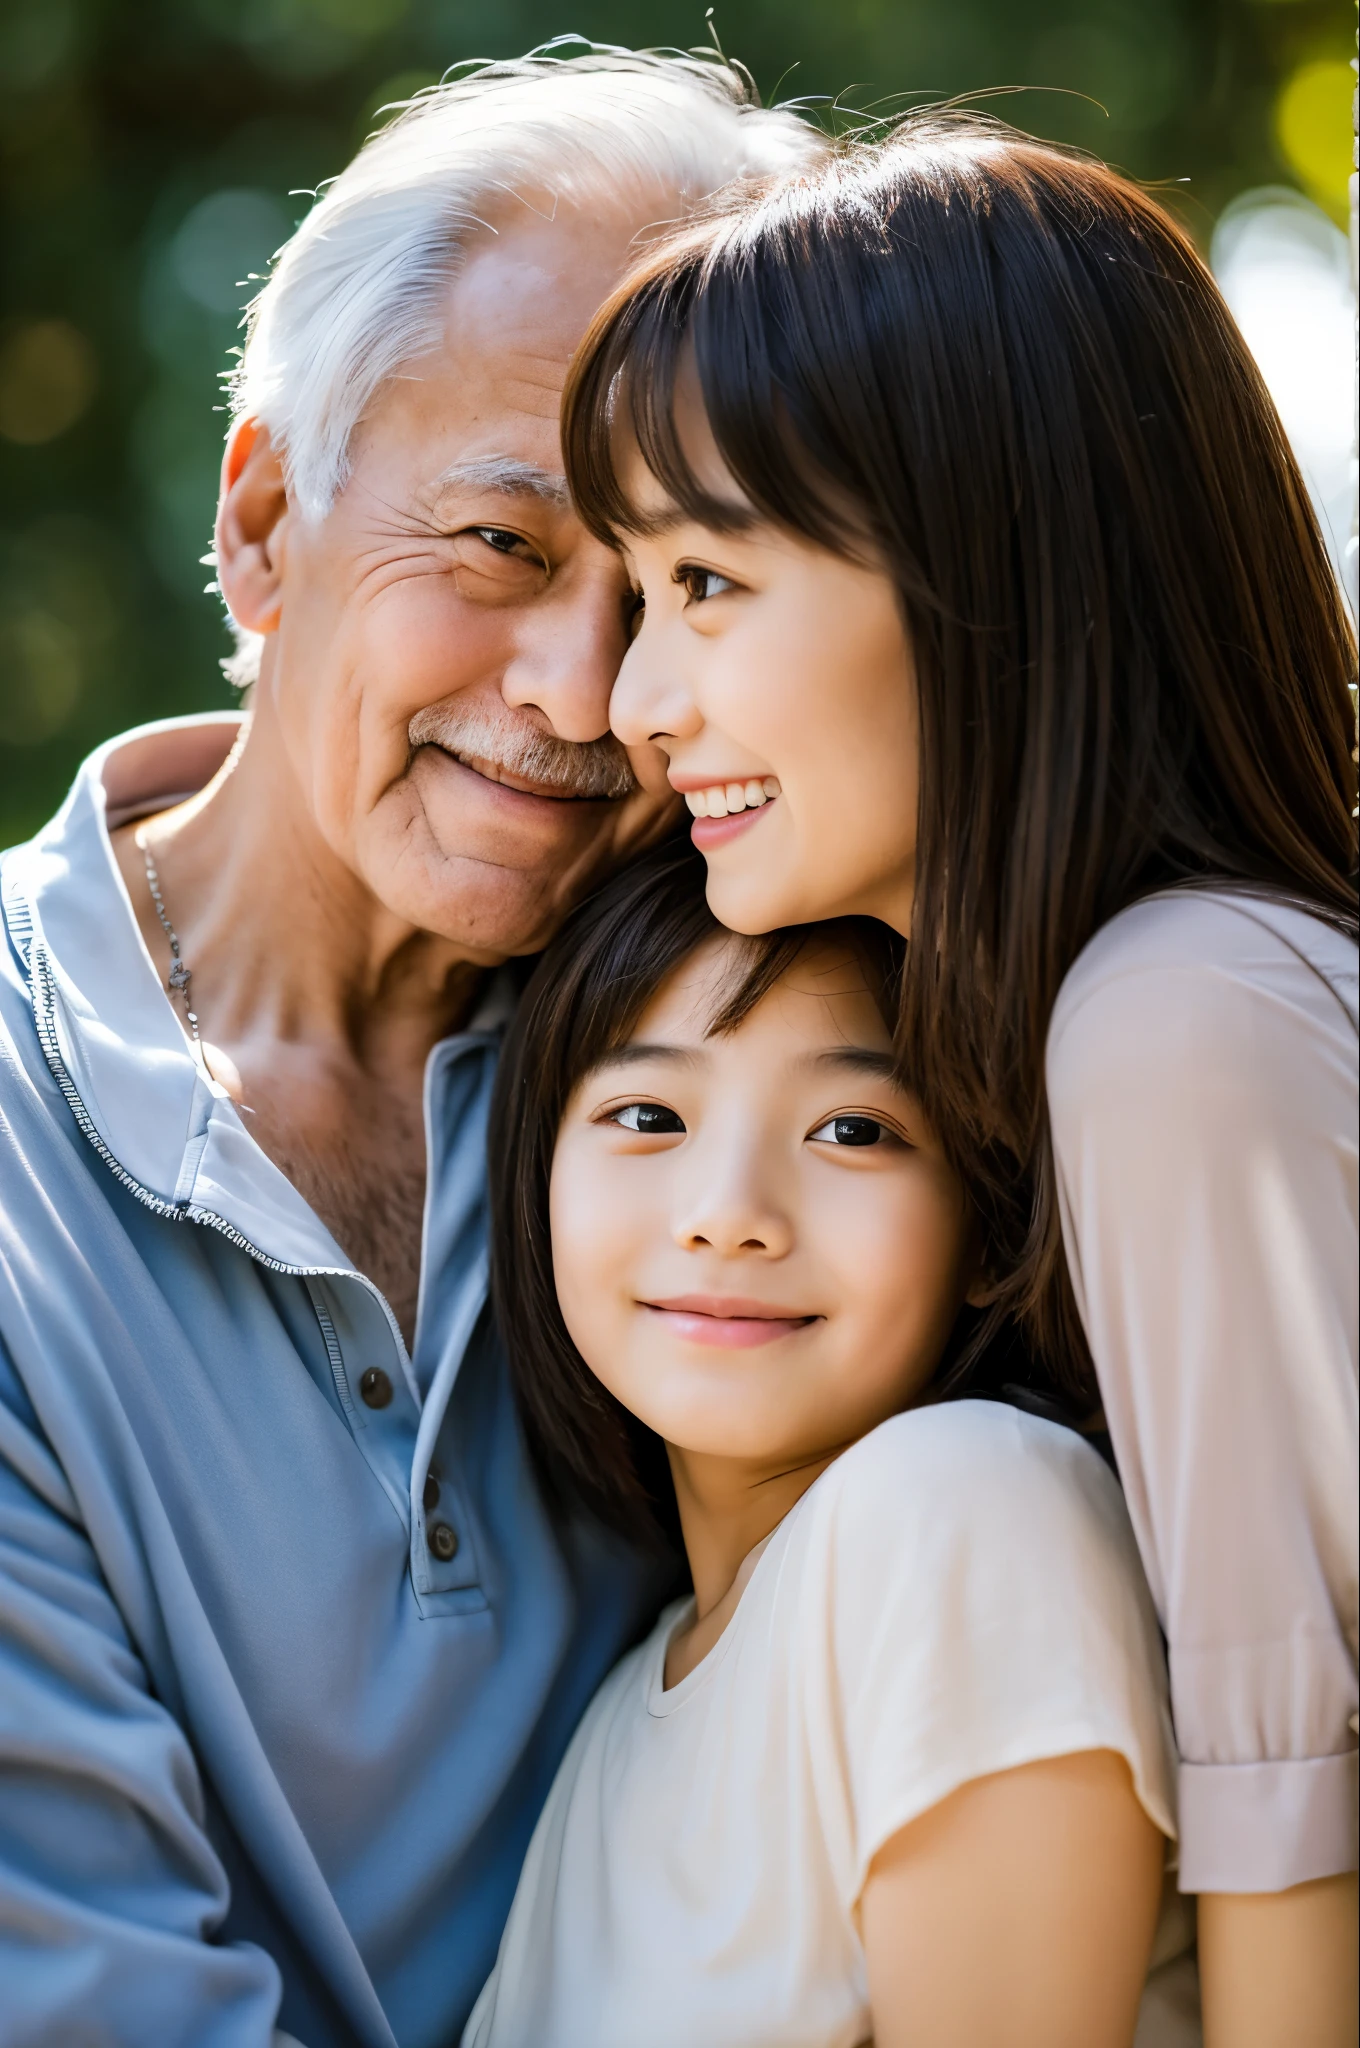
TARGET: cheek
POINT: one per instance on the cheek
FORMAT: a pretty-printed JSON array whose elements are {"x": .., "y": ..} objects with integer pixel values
[
  {"x": 600, "y": 1219},
  {"x": 833, "y": 713},
  {"x": 363, "y": 661},
  {"x": 898, "y": 1247},
  {"x": 422, "y": 641}
]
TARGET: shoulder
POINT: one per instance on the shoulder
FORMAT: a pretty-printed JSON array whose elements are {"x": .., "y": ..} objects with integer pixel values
[
  {"x": 971, "y": 1482},
  {"x": 970, "y": 1599},
  {"x": 1190, "y": 998}
]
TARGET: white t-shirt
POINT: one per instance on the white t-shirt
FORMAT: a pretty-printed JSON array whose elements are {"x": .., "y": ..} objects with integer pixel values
[{"x": 958, "y": 1594}]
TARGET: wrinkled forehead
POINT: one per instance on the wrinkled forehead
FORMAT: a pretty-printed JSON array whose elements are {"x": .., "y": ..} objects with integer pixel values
[{"x": 485, "y": 395}]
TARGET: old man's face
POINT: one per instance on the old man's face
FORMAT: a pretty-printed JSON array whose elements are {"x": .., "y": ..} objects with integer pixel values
[{"x": 443, "y": 643}]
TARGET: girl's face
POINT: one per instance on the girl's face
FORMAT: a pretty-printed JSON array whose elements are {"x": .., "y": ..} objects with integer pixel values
[
  {"x": 757, "y": 1243},
  {"x": 777, "y": 679}
]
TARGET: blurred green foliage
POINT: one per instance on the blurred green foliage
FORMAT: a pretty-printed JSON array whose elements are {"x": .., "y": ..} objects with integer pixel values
[{"x": 156, "y": 153}]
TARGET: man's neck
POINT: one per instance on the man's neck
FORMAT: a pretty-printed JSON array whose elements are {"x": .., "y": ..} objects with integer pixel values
[
  {"x": 318, "y": 1008},
  {"x": 285, "y": 942}
]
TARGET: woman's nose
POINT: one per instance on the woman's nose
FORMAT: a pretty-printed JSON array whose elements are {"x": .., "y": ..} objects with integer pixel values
[
  {"x": 730, "y": 1209},
  {"x": 650, "y": 705}
]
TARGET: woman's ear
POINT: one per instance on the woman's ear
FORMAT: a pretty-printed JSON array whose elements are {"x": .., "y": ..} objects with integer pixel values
[{"x": 252, "y": 518}]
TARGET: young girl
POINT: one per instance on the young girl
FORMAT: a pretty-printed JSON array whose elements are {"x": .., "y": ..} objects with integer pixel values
[
  {"x": 979, "y": 593},
  {"x": 901, "y": 1768}
]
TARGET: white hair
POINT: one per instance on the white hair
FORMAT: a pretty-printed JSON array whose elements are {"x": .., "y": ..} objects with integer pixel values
[{"x": 359, "y": 289}]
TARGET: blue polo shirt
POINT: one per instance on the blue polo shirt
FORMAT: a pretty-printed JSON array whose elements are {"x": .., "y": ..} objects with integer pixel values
[{"x": 289, "y": 1645}]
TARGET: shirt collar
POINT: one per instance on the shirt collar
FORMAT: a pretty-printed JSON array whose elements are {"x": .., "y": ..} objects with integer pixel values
[{"x": 105, "y": 1018}]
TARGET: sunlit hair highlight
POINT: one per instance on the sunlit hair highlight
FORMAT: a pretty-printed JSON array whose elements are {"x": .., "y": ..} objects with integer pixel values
[{"x": 358, "y": 292}]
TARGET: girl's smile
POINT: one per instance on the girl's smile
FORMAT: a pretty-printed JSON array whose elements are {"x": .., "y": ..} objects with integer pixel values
[{"x": 733, "y": 1324}]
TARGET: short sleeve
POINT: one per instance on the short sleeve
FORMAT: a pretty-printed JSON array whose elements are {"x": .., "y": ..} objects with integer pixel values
[
  {"x": 987, "y": 1610},
  {"x": 1202, "y": 1090}
]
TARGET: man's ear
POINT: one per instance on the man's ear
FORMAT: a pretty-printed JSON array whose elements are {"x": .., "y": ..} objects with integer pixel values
[{"x": 252, "y": 517}]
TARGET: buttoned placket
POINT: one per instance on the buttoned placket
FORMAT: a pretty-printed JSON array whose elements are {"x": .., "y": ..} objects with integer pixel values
[
  {"x": 403, "y": 1434},
  {"x": 396, "y": 1429}
]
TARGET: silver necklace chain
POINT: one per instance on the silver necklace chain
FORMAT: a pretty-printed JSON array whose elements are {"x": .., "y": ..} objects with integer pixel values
[{"x": 180, "y": 976}]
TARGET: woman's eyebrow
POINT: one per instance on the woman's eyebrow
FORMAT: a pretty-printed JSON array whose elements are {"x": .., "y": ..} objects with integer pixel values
[{"x": 723, "y": 517}]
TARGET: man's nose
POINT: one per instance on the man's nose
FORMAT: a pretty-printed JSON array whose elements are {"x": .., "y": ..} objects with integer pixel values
[
  {"x": 568, "y": 652},
  {"x": 651, "y": 704},
  {"x": 729, "y": 1204}
]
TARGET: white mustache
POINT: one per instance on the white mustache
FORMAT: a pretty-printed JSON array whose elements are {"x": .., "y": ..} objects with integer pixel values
[{"x": 475, "y": 732}]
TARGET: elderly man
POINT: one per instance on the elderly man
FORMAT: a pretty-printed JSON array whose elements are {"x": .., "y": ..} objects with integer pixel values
[{"x": 289, "y": 1646}]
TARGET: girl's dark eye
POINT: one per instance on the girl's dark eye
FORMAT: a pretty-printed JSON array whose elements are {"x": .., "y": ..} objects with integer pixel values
[
  {"x": 648, "y": 1119},
  {"x": 851, "y": 1130}
]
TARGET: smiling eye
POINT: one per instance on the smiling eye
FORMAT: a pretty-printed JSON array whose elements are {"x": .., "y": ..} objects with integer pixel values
[
  {"x": 504, "y": 542},
  {"x": 649, "y": 1120},
  {"x": 851, "y": 1130},
  {"x": 702, "y": 584}
]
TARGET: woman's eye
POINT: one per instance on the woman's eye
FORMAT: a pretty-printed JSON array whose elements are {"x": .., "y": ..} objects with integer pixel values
[
  {"x": 701, "y": 584},
  {"x": 851, "y": 1130},
  {"x": 635, "y": 610},
  {"x": 648, "y": 1119}
]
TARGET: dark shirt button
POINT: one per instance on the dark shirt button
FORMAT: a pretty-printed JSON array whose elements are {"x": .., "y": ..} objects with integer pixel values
[
  {"x": 431, "y": 1493},
  {"x": 375, "y": 1388},
  {"x": 442, "y": 1541}
]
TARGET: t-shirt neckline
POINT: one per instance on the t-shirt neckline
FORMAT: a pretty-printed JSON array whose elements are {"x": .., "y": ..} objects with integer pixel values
[{"x": 662, "y": 1700}]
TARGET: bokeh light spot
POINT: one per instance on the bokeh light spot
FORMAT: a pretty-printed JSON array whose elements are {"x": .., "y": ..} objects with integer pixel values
[
  {"x": 40, "y": 660},
  {"x": 226, "y": 240},
  {"x": 1284, "y": 269},
  {"x": 1313, "y": 128},
  {"x": 47, "y": 378}
]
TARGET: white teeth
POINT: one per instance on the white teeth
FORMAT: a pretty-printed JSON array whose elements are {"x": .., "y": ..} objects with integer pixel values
[{"x": 722, "y": 798}]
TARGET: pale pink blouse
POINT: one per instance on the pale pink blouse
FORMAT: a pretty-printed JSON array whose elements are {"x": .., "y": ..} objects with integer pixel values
[{"x": 1202, "y": 1081}]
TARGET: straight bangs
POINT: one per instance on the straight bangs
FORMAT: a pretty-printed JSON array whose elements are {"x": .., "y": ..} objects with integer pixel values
[{"x": 713, "y": 330}]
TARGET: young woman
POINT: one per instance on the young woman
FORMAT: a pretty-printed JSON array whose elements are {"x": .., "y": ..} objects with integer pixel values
[
  {"x": 901, "y": 1768},
  {"x": 979, "y": 593}
]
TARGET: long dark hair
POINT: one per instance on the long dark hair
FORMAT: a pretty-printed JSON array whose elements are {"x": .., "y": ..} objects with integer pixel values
[
  {"x": 1004, "y": 372},
  {"x": 582, "y": 1002}
]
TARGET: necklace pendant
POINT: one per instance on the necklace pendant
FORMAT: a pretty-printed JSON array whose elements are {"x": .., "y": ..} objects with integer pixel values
[{"x": 180, "y": 977}]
